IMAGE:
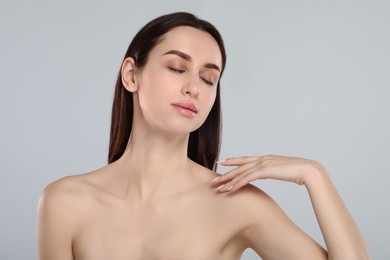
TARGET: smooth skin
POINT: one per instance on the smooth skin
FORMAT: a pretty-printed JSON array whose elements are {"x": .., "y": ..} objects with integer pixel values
[{"x": 155, "y": 203}]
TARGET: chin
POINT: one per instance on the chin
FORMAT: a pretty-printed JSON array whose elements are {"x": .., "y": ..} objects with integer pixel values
[{"x": 185, "y": 126}]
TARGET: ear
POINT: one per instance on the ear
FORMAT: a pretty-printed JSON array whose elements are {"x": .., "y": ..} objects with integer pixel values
[{"x": 128, "y": 72}]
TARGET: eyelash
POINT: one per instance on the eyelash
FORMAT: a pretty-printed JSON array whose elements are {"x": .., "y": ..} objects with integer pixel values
[
  {"x": 176, "y": 70},
  {"x": 207, "y": 82},
  {"x": 182, "y": 71}
]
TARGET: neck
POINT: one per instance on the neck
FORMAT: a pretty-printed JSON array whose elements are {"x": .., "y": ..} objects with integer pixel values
[{"x": 154, "y": 163}]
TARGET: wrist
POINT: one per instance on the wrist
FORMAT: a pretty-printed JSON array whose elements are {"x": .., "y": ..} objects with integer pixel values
[{"x": 314, "y": 173}]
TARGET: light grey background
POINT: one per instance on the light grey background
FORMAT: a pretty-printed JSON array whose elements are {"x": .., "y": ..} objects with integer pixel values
[{"x": 303, "y": 78}]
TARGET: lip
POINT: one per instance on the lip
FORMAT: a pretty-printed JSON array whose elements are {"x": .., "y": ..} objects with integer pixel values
[{"x": 186, "y": 108}]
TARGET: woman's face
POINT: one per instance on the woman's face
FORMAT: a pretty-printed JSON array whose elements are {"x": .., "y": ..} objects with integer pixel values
[{"x": 176, "y": 89}]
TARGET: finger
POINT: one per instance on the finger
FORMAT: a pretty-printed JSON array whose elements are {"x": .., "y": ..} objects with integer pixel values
[
  {"x": 233, "y": 173},
  {"x": 237, "y": 161},
  {"x": 228, "y": 186},
  {"x": 244, "y": 181}
]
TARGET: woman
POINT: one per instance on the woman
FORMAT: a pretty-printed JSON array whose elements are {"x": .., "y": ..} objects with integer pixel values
[{"x": 158, "y": 197}]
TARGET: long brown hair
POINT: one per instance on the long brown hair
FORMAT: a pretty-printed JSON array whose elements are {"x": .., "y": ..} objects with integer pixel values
[{"x": 204, "y": 143}]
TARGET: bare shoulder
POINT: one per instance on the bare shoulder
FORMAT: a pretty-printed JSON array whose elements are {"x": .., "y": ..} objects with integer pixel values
[
  {"x": 68, "y": 194},
  {"x": 61, "y": 197},
  {"x": 254, "y": 205},
  {"x": 65, "y": 189},
  {"x": 62, "y": 207},
  {"x": 249, "y": 198}
]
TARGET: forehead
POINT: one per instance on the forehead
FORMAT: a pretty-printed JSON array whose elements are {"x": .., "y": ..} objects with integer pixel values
[{"x": 200, "y": 45}]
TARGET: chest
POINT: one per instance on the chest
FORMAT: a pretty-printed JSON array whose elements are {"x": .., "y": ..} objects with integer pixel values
[{"x": 169, "y": 232}]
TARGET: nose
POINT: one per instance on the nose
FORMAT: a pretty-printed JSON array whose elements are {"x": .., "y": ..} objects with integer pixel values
[{"x": 191, "y": 88}]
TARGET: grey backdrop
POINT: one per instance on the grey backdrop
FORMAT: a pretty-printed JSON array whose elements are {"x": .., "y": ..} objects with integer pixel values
[{"x": 303, "y": 78}]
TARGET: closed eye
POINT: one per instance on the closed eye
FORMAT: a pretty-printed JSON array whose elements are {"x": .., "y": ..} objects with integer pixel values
[
  {"x": 180, "y": 71},
  {"x": 208, "y": 82},
  {"x": 176, "y": 70}
]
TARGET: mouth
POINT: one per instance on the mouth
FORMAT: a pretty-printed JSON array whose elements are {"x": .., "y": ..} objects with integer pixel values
[{"x": 188, "y": 109}]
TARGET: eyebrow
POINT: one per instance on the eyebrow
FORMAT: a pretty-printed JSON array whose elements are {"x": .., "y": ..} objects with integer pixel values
[{"x": 188, "y": 58}]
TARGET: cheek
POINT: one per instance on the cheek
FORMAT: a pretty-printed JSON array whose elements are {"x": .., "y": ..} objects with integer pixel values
[
  {"x": 154, "y": 85},
  {"x": 155, "y": 92},
  {"x": 210, "y": 96}
]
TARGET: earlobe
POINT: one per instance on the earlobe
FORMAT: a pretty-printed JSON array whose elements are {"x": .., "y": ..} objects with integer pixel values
[{"x": 128, "y": 72}]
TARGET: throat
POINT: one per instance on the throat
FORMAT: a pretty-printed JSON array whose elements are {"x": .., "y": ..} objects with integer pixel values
[{"x": 146, "y": 177}]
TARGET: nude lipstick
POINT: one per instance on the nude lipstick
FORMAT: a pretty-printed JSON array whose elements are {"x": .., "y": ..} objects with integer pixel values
[{"x": 187, "y": 109}]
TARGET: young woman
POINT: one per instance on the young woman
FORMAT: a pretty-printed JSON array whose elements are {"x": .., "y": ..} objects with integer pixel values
[{"x": 159, "y": 198}]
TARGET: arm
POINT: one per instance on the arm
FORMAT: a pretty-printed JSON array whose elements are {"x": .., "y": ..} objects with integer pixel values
[
  {"x": 341, "y": 235},
  {"x": 55, "y": 224},
  {"x": 269, "y": 231}
]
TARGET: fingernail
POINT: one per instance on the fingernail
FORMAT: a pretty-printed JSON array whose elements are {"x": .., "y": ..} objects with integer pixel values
[
  {"x": 228, "y": 189},
  {"x": 221, "y": 161},
  {"x": 220, "y": 187},
  {"x": 216, "y": 179}
]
